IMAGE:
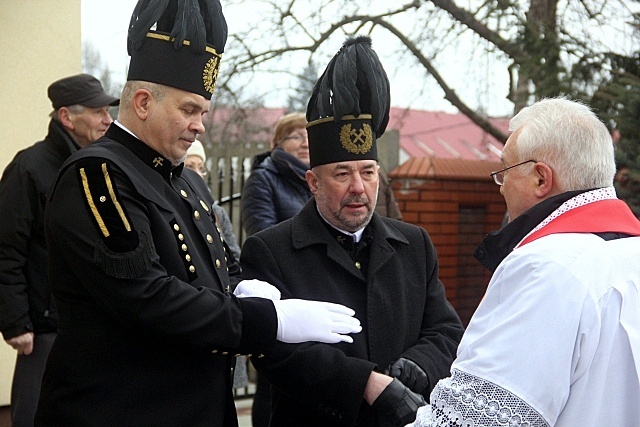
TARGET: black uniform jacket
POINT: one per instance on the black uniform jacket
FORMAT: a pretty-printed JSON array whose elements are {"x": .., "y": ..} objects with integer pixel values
[
  {"x": 401, "y": 304},
  {"x": 148, "y": 329},
  {"x": 26, "y": 303}
]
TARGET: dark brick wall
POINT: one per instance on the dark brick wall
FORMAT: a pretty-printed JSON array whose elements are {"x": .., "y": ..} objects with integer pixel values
[{"x": 457, "y": 214}]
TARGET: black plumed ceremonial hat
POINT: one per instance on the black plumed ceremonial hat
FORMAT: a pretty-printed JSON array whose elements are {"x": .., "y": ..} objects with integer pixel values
[
  {"x": 177, "y": 43},
  {"x": 349, "y": 106}
]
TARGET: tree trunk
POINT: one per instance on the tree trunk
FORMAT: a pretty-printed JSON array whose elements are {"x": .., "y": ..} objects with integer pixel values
[{"x": 539, "y": 75}]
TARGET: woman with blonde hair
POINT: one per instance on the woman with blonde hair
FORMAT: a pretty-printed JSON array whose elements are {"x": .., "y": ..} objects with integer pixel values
[{"x": 277, "y": 189}]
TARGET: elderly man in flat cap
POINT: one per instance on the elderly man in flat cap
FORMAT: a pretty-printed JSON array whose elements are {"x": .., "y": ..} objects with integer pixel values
[
  {"x": 149, "y": 326},
  {"x": 28, "y": 319}
]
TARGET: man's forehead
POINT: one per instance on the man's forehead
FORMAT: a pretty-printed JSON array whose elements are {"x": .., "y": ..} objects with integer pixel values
[
  {"x": 188, "y": 98},
  {"x": 507, "y": 150},
  {"x": 353, "y": 165}
]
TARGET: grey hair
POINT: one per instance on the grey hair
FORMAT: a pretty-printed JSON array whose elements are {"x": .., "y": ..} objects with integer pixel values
[
  {"x": 75, "y": 109},
  {"x": 157, "y": 90},
  {"x": 569, "y": 137}
]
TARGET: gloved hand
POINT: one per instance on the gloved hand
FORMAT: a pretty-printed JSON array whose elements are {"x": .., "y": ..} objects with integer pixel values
[
  {"x": 302, "y": 320},
  {"x": 256, "y": 288},
  {"x": 397, "y": 405},
  {"x": 409, "y": 374}
]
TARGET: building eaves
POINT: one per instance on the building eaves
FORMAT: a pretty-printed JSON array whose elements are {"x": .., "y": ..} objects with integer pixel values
[{"x": 445, "y": 168}]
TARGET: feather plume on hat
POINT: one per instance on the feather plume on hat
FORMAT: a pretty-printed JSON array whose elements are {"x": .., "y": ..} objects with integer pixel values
[
  {"x": 353, "y": 91},
  {"x": 158, "y": 31},
  {"x": 354, "y": 82},
  {"x": 198, "y": 21}
]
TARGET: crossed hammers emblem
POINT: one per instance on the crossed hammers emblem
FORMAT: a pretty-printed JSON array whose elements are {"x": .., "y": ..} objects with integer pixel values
[{"x": 358, "y": 136}]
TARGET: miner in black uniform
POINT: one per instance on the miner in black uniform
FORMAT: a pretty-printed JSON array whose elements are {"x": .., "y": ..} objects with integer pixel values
[
  {"x": 148, "y": 325},
  {"x": 337, "y": 249}
]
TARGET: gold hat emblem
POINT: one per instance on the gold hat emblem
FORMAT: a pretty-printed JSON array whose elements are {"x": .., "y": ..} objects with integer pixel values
[
  {"x": 210, "y": 73},
  {"x": 357, "y": 141}
]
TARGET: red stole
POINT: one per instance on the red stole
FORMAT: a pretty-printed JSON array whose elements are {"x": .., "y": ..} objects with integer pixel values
[{"x": 603, "y": 216}]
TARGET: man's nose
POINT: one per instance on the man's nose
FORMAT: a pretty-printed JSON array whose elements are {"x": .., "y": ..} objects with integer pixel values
[
  {"x": 197, "y": 126},
  {"x": 357, "y": 185},
  {"x": 106, "y": 118}
]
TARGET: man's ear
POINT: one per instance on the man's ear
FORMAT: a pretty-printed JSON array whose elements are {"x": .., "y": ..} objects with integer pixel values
[
  {"x": 142, "y": 99},
  {"x": 65, "y": 117},
  {"x": 312, "y": 181},
  {"x": 544, "y": 176}
]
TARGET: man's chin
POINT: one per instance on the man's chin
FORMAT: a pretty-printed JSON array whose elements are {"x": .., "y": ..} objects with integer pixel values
[
  {"x": 177, "y": 161},
  {"x": 355, "y": 223}
]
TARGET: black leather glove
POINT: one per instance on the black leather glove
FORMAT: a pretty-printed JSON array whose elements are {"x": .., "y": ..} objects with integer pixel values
[
  {"x": 397, "y": 405},
  {"x": 409, "y": 374}
]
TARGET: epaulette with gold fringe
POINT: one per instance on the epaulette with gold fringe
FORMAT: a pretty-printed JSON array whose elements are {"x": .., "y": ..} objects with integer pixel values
[{"x": 122, "y": 252}]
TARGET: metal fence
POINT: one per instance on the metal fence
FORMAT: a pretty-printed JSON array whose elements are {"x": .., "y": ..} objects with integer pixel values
[{"x": 229, "y": 168}]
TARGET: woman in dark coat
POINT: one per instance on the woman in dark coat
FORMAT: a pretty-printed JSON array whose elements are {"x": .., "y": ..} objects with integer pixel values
[{"x": 276, "y": 189}]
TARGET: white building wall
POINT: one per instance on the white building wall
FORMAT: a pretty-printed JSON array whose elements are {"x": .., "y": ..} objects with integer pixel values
[{"x": 40, "y": 41}]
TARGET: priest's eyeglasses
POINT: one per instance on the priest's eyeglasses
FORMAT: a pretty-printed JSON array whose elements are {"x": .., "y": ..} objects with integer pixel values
[{"x": 498, "y": 176}]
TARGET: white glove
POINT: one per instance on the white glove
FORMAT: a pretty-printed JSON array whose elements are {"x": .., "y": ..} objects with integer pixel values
[
  {"x": 257, "y": 288},
  {"x": 302, "y": 320}
]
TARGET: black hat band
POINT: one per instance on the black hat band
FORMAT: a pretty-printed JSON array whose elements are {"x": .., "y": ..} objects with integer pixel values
[
  {"x": 351, "y": 138},
  {"x": 158, "y": 61}
]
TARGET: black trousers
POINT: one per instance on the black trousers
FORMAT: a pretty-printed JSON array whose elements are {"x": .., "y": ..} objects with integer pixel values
[
  {"x": 27, "y": 378},
  {"x": 261, "y": 409}
]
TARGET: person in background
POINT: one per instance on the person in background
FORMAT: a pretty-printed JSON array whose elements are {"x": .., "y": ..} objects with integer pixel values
[
  {"x": 276, "y": 188},
  {"x": 151, "y": 307},
  {"x": 275, "y": 191},
  {"x": 556, "y": 338},
  {"x": 28, "y": 317},
  {"x": 338, "y": 249},
  {"x": 197, "y": 161}
]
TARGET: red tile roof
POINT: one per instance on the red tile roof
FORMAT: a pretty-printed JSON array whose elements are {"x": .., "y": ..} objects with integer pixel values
[{"x": 430, "y": 167}]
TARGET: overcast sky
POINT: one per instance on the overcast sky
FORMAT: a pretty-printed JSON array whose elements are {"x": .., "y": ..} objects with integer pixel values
[{"x": 104, "y": 25}]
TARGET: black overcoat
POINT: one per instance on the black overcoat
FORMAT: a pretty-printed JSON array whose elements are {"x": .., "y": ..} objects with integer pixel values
[
  {"x": 401, "y": 305},
  {"x": 26, "y": 304},
  {"x": 147, "y": 327}
]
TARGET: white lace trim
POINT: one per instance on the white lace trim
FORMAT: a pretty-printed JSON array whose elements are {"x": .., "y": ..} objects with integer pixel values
[
  {"x": 606, "y": 193},
  {"x": 468, "y": 401}
]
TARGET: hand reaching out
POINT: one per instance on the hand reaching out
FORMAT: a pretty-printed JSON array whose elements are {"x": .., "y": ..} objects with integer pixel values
[{"x": 302, "y": 320}]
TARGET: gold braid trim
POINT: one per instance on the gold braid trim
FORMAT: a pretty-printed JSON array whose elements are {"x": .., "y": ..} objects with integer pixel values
[
  {"x": 115, "y": 201},
  {"x": 157, "y": 36},
  {"x": 92, "y": 205}
]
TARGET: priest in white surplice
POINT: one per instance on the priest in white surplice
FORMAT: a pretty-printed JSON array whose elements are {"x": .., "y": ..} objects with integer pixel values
[{"x": 556, "y": 338}]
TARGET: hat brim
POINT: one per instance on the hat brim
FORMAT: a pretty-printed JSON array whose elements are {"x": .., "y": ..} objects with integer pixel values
[
  {"x": 348, "y": 139},
  {"x": 100, "y": 100}
]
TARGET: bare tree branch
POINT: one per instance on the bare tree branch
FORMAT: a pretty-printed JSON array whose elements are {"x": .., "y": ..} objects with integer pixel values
[
  {"x": 467, "y": 19},
  {"x": 449, "y": 93},
  {"x": 542, "y": 40}
]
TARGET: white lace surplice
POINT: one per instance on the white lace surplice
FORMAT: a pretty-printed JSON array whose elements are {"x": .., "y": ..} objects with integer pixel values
[
  {"x": 469, "y": 401},
  {"x": 555, "y": 341}
]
